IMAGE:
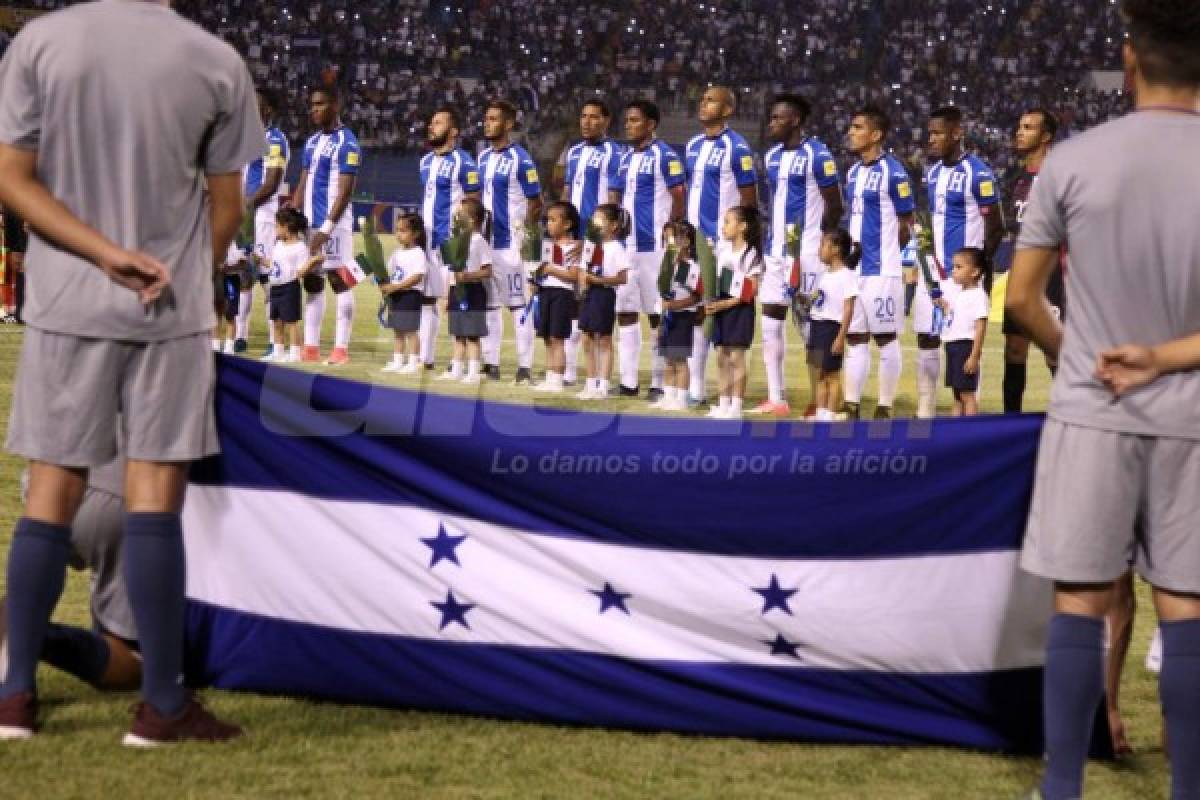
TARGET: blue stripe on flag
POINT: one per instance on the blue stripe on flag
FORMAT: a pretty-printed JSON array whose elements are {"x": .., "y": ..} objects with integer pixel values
[
  {"x": 992, "y": 711},
  {"x": 958, "y": 487}
]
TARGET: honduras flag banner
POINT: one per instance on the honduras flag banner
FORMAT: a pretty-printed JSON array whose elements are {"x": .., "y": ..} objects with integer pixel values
[{"x": 851, "y": 582}]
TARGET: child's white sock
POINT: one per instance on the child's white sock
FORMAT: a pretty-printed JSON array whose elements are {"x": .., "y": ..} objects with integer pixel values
[
  {"x": 773, "y": 352},
  {"x": 630, "y": 347}
]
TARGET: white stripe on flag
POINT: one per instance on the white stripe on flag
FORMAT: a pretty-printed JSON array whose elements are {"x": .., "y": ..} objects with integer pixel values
[{"x": 363, "y": 567}]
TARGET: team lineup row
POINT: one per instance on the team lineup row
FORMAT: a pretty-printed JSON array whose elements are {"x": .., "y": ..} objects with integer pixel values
[{"x": 642, "y": 187}]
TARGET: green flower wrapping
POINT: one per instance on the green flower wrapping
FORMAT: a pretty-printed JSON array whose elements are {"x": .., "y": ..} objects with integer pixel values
[{"x": 371, "y": 259}]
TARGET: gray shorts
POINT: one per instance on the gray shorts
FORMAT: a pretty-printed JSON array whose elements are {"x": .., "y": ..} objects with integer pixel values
[
  {"x": 70, "y": 390},
  {"x": 96, "y": 544},
  {"x": 1105, "y": 501}
]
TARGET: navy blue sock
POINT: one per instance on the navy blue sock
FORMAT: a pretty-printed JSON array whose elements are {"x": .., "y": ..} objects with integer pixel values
[
  {"x": 76, "y": 651},
  {"x": 37, "y": 569},
  {"x": 1072, "y": 690},
  {"x": 155, "y": 575},
  {"x": 1179, "y": 689}
]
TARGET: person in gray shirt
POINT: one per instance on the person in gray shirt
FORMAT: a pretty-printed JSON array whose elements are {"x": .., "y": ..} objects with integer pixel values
[
  {"x": 1123, "y": 427},
  {"x": 123, "y": 132}
]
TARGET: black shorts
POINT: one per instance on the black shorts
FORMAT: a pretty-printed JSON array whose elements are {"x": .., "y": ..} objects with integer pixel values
[
  {"x": 557, "y": 308},
  {"x": 1056, "y": 293},
  {"x": 286, "y": 300},
  {"x": 232, "y": 288},
  {"x": 404, "y": 311},
  {"x": 675, "y": 335},
  {"x": 821, "y": 335},
  {"x": 957, "y": 354},
  {"x": 598, "y": 314},
  {"x": 734, "y": 327}
]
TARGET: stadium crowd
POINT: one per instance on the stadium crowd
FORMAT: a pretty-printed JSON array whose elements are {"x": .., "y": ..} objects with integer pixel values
[{"x": 399, "y": 58}]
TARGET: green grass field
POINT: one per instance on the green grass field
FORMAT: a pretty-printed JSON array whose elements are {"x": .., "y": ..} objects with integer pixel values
[{"x": 298, "y": 748}]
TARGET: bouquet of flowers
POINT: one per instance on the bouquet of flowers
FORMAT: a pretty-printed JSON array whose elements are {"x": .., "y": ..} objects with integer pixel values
[
  {"x": 531, "y": 251},
  {"x": 707, "y": 261},
  {"x": 454, "y": 255},
  {"x": 371, "y": 260}
]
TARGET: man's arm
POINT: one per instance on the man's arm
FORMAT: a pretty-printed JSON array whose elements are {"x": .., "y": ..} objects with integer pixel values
[
  {"x": 345, "y": 192},
  {"x": 904, "y": 223},
  {"x": 298, "y": 192},
  {"x": 835, "y": 207},
  {"x": 1126, "y": 368},
  {"x": 224, "y": 213},
  {"x": 24, "y": 193},
  {"x": 993, "y": 229},
  {"x": 614, "y": 196},
  {"x": 748, "y": 196},
  {"x": 533, "y": 213},
  {"x": 1027, "y": 281},
  {"x": 677, "y": 203},
  {"x": 270, "y": 185}
]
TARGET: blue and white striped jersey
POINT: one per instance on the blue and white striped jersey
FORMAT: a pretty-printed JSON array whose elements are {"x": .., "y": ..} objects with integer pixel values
[
  {"x": 717, "y": 167},
  {"x": 446, "y": 178},
  {"x": 957, "y": 192},
  {"x": 275, "y": 156},
  {"x": 510, "y": 178},
  {"x": 592, "y": 171},
  {"x": 878, "y": 193},
  {"x": 646, "y": 178},
  {"x": 328, "y": 156},
  {"x": 795, "y": 178}
]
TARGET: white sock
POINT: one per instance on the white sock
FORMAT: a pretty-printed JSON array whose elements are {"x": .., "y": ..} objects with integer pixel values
[
  {"x": 891, "y": 363},
  {"x": 630, "y": 348},
  {"x": 602, "y": 387},
  {"x": 723, "y": 402},
  {"x": 824, "y": 415},
  {"x": 473, "y": 369},
  {"x": 735, "y": 405},
  {"x": 526, "y": 335},
  {"x": 658, "y": 364},
  {"x": 670, "y": 395},
  {"x": 929, "y": 365},
  {"x": 270, "y": 327},
  {"x": 345, "y": 319},
  {"x": 216, "y": 345},
  {"x": 857, "y": 365},
  {"x": 773, "y": 350},
  {"x": 428, "y": 332},
  {"x": 698, "y": 363},
  {"x": 554, "y": 379},
  {"x": 414, "y": 361},
  {"x": 314, "y": 313},
  {"x": 241, "y": 325},
  {"x": 229, "y": 345},
  {"x": 456, "y": 368},
  {"x": 571, "y": 347},
  {"x": 491, "y": 342}
]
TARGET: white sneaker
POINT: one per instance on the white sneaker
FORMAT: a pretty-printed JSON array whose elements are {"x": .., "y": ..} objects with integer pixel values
[
  {"x": 587, "y": 393},
  {"x": 391, "y": 366},
  {"x": 661, "y": 404},
  {"x": 291, "y": 358},
  {"x": 269, "y": 358},
  {"x": 546, "y": 386},
  {"x": 472, "y": 380},
  {"x": 716, "y": 412},
  {"x": 678, "y": 405},
  {"x": 449, "y": 376},
  {"x": 409, "y": 369}
]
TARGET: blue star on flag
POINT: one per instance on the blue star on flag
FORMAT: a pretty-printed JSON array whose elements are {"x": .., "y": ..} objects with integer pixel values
[
  {"x": 443, "y": 546},
  {"x": 775, "y": 596},
  {"x": 611, "y": 598},
  {"x": 453, "y": 611},
  {"x": 781, "y": 646}
]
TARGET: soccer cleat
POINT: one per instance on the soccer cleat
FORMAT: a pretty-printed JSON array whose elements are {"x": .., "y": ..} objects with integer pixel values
[
  {"x": 270, "y": 351},
  {"x": 311, "y": 354},
  {"x": 240, "y": 345},
  {"x": 194, "y": 724},
  {"x": 338, "y": 357},
  {"x": 883, "y": 412},
  {"x": 625, "y": 391},
  {"x": 18, "y": 716},
  {"x": 771, "y": 409},
  {"x": 524, "y": 376},
  {"x": 653, "y": 396},
  {"x": 9, "y": 319},
  {"x": 491, "y": 372},
  {"x": 429, "y": 366},
  {"x": 269, "y": 356}
]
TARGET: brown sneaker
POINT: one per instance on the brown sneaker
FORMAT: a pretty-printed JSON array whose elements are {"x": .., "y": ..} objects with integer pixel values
[
  {"x": 194, "y": 724},
  {"x": 18, "y": 716}
]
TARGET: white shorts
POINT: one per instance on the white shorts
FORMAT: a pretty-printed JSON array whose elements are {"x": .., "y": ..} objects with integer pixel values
[
  {"x": 436, "y": 276},
  {"x": 507, "y": 285},
  {"x": 339, "y": 250},
  {"x": 774, "y": 286},
  {"x": 880, "y": 305},
  {"x": 629, "y": 293},
  {"x": 264, "y": 238},
  {"x": 646, "y": 266}
]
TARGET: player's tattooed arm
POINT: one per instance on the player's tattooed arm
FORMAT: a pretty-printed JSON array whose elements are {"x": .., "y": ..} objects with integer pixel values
[
  {"x": 835, "y": 207},
  {"x": 677, "y": 202}
]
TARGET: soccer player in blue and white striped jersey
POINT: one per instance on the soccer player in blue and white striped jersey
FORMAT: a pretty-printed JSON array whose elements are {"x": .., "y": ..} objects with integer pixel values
[
  {"x": 512, "y": 194},
  {"x": 804, "y": 194},
  {"x": 331, "y": 161},
  {"x": 964, "y": 211},
  {"x": 591, "y": 165},
  {"x": 880, "y": 196},
  {"x": 261, "y": 181},
  {"x": 721, "y": 175},
  {"x": 448, "y": 174},
  {"x": 650, "y": 187}
]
